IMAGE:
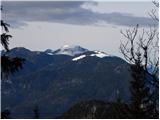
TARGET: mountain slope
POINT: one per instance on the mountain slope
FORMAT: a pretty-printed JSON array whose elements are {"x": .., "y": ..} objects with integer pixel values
[{"x": 56, "y": 82}]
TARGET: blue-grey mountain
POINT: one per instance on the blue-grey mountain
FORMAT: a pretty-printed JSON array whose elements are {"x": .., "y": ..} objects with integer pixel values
[{"x": 55, "y": 80}]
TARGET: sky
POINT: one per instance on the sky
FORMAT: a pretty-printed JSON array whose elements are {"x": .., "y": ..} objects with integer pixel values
[{"x": 41, "y": 25}]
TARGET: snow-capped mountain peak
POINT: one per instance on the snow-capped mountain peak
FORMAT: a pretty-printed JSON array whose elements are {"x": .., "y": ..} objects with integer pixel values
[
  {"x": 71, "y": 50},
  {"x": 75, "y": 50}
]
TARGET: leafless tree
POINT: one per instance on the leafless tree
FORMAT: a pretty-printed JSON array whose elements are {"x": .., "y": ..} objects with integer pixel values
[
  {"x": 141, "y": 50},
  {"x": 153, "y": 12},
  {"x": 9, "y": 65},
  {"x": 142, "y": 47},
  {"x": 144, "y": 43}
]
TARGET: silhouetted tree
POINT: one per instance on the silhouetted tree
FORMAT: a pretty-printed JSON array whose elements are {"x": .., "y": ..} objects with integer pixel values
[
  {"x": 153, "y": 12},
  {"x": 138, "y": 52},
  {"x": 5, "y": 114},
  {"x": 36, "y": 112},
  {"x": 8, "y": 65},
  {"x": 142, "y": 51}
]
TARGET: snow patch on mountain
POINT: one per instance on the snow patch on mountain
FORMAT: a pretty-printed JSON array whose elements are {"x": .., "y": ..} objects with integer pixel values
[
  {"x": 71, "y": 50},
  {"x": 50, "y": 53},
  {"x": 79, "y": 57},
  {"x": 99, "y": 54},
  {"x": 94, "y": 53}
]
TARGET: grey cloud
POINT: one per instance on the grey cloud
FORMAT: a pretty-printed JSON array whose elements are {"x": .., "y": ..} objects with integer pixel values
[
  {"x": 126, "y": 19},
  {"x": 19, "y": 13}
]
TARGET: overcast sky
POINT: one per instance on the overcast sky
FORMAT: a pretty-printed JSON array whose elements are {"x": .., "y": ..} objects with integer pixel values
[{"x": 92, "y": 25}]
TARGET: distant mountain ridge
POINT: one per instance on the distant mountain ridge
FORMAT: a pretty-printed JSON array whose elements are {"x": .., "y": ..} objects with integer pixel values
[
  {"x": 57, "y": 81},
  {"x": 71, "y": 50}
]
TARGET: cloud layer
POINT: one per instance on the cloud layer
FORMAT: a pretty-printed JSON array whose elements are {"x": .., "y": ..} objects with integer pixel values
[{"x": 19, "y": 13}]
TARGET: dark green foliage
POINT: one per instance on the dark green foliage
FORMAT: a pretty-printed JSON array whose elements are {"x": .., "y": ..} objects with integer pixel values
[
  {"x": 5, "y": 114},
  {"x": 105, "y": 110},
  {"x": 138, "y": 92},
  {"x": 141, "y": 104},
  {"x": 5, "y": 26},
  {"x": 8, "y": 65},
  {"x": 5, "y": 40},
  {"x": 36, "y": 112},
  {"x": 4, "y": 36},
  {"x": 97, "y": 110}
]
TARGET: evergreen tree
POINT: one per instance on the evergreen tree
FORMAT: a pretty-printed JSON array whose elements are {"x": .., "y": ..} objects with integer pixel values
[
  {"x": 5, "y": 114},
  {"x": 36, "y": 112},
  {"x": 139, "y": 92},
  {"x": 8, "y": 64}
]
